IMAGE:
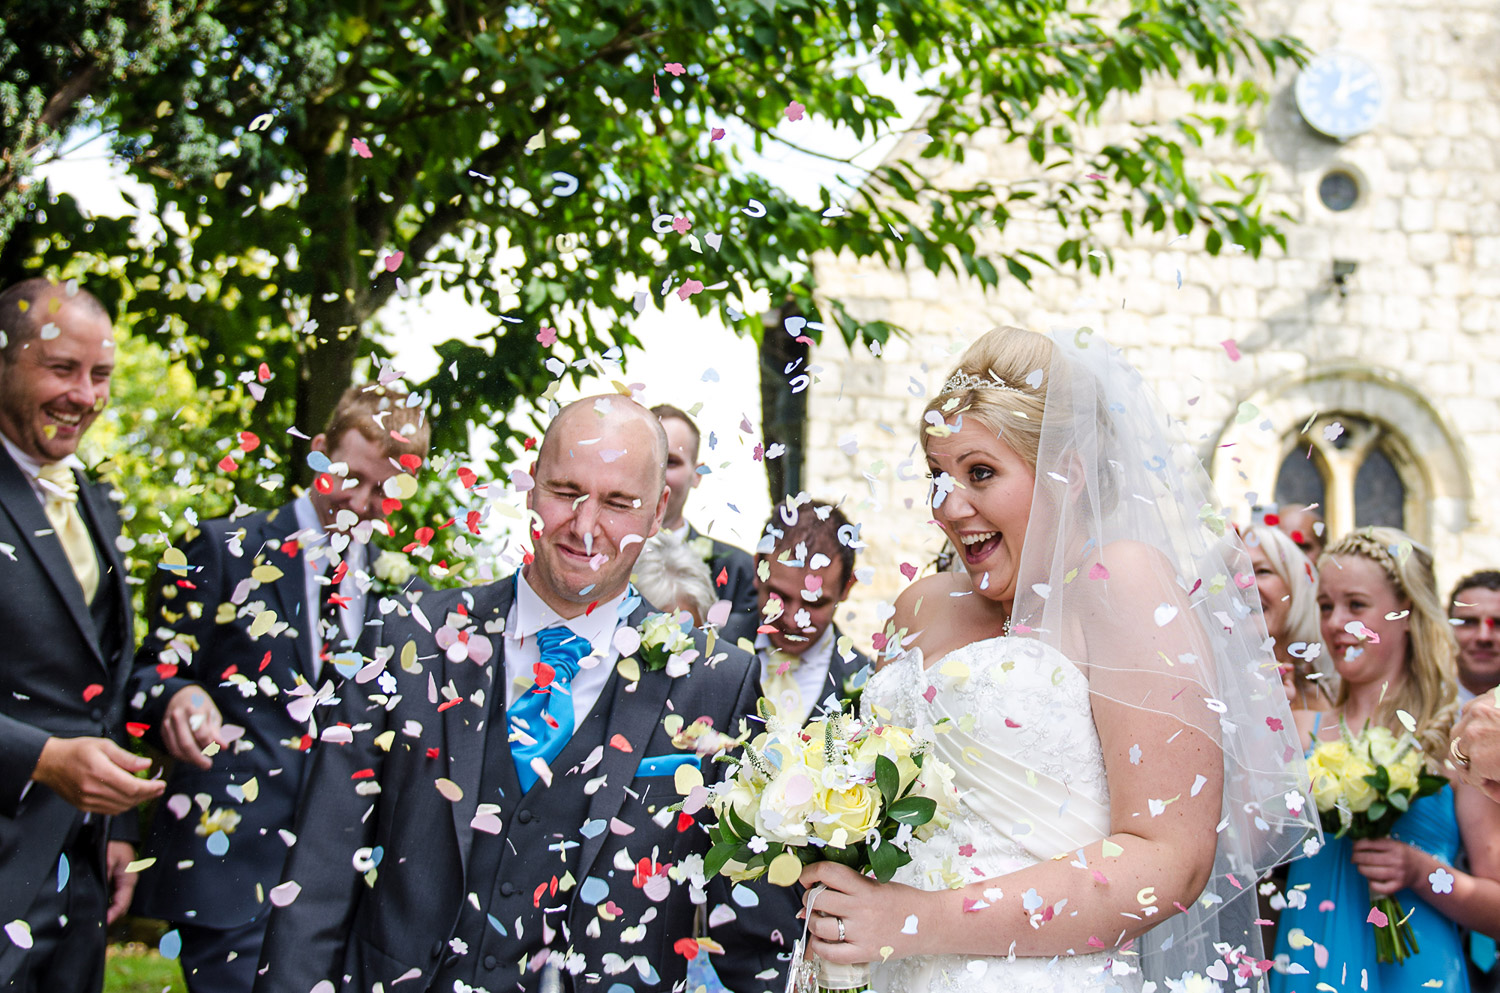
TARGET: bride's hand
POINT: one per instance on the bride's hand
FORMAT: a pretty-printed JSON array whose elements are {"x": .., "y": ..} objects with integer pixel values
[{"x": 874, "y": 916}]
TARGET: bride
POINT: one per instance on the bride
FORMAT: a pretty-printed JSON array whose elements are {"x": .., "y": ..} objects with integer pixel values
[{"x": 1100, "y": 680}]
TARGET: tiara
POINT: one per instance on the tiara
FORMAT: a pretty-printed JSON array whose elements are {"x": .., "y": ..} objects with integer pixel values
[{"x": 961, "y": 380}]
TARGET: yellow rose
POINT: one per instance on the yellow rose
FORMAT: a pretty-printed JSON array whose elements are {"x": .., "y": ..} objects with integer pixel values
[
  {"x": 854, "y": 811},
  {"x": 895, "y": 744},
  {"x": 1359, "y": 793},
  {"x": 1404, "y": 774},
  {"x": 740, "y": 798},
  {"x": 1326, "y": 789},
  {"x": 1381, "y": 745},
  {"x": 1333, "y": 754},
  {"x": 936, "y": 784}
]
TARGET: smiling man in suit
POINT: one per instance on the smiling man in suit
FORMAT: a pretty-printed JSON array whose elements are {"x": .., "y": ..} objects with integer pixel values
[
  {"x": 66, "y": 652},
  {"x": 497, "y": 814},
  {"x": 228, "y": 691}
]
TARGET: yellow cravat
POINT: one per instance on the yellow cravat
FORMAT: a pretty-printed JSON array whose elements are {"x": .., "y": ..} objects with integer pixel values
[
  {"x": 61, "y": 508},
  {"x": 780, "y": 684}
]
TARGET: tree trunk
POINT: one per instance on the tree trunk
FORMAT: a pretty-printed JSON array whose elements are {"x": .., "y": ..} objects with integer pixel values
[
  {"x": 783, "y": 413},
  {"x": 327, "y": 369}
]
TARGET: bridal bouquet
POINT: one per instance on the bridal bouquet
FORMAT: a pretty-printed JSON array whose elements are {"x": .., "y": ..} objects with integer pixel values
[
  {"x": 838, "y": 790},
  {"x": 1361, "y": 785}
]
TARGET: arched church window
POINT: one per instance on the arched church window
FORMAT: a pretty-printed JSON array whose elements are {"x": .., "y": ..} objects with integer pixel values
[{"x": 1352, "y": 468}]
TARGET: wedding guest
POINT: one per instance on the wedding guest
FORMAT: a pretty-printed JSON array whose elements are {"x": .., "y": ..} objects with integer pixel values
[
  {"x": 1474, "y": 611},
  {"x": 1383, "y": 622},
  {"x": 489, "y": 806},
  {"x": 65, "y": 773},
  {"x": 1476, "y": 744},
  {"x": 1303, "y": 523},
  {"x": 1288, "y": 588},
  {"x": 670, "y": 576},
  {"x": 804, "y": 570},
  {"x": 731, "y": 569},
  {"x": 216, "y": 693}
]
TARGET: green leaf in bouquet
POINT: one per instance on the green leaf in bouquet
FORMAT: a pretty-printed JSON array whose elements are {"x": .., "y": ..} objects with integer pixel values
[
  {"x": 1398, "y": 800},
  {"x": 718, "y": 856},
  {"x": 1377, "y": 810},
  {"x": 887, "y": 778},
  {"x": 737, "y": 826},
  {"x": 913, "y": 810},
  {"x": 885, "y": 860},
  {"x": 1380, "y": 779}
]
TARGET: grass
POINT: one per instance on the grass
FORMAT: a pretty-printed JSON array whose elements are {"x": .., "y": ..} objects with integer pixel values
[{"x": 133, "y": 967}]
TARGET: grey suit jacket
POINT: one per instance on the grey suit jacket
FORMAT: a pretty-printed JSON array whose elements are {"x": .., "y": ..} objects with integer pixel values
[{"x": 54, "y": 677}]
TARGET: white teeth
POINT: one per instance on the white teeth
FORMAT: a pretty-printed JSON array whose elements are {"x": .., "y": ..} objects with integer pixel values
[
  {"x": 974, "y": 539},
  {"x": 65, "y": 418}
]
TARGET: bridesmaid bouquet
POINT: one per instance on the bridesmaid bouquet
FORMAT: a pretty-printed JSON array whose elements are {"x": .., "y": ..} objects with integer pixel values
[
  {"x": 838, "y": 790},
  {"x": 1362, "y": 785}
]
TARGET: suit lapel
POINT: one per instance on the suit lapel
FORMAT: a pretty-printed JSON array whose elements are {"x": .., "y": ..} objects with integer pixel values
[
  {"x": 634, "y": 720},
  {"x": 20, "y": 502},
  {"x": 466, "y": 745},
  {"x": 93, "y": 498}
]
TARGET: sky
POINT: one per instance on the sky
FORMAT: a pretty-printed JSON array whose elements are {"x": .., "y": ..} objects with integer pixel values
[{"x": 684, "y": 359}]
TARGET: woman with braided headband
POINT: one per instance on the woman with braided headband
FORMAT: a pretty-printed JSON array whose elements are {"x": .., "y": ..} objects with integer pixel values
[{"x": 1386, "y": 629}]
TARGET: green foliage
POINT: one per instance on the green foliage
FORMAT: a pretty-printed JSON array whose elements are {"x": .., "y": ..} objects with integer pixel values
[{"x": 249, "y": 122}]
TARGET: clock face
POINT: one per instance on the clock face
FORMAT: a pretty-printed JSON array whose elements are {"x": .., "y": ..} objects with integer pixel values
[{"x": 1340, "y": 95}]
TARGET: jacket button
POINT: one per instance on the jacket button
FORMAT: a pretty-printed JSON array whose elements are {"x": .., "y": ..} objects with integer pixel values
[
  {"x": 490, "y": 962},
  {"x": 507, "y": 888},
  {"x": 437, "y": 949},
  {"x": 524, "y": 817},
  {"x": 451, "y": 960},
  {"x": 96, "y": 714}
]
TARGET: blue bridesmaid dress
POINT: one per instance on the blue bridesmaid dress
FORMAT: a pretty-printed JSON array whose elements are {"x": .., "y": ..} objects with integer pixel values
[{"x": 1342, "y": 930}]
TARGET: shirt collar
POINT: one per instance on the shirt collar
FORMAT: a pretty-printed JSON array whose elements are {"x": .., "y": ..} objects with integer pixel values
[
  {"x": 819, "y": 649},
  {"x": 30, "y": 466},
  {"x": 533, "y": 614},
  {"x": 310, "y": 533}
]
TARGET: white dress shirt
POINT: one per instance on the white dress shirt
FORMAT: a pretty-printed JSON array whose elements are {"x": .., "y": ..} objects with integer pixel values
[
  {"x": 356, "y": 554},
  {"x": 530, "y": 614},
  {"x": 811, "y": 674},
  {"x": 31, "y": 468}
]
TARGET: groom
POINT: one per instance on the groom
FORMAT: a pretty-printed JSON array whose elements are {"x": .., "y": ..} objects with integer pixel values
[{"x": 489, "y": 806}]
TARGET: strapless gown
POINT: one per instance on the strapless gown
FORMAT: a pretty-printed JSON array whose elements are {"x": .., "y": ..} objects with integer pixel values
[
  {"x": 1328, "y": 922},
  {"x": 1027, "y": 761}
]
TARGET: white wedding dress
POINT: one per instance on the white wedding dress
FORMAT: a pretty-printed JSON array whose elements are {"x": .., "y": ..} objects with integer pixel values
[{"x": 1028, "y": 765}]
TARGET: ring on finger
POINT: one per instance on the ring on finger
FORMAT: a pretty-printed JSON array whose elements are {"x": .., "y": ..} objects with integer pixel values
[
  {"x": 1456, "y": 752},
  {"x": 841, "y": 929}
]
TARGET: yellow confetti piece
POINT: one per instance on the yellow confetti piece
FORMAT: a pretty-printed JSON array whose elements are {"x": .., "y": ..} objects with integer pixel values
[
  {"x": 224, "y": 614},
  {"x": 264, "y": 621},
  {"x": 672, "y": 724},
  {"x": 450, "y": 790},
  {"x": 252, "y": 790},
  {"x": 173, "y": 558},
  {"x": 404, "y": 485},
  {"x": 384, "y": 740},
  {"x": 409, "y": 657},
  {"x": 140, "y": 864},
  {"x": 687, "y": 778},
  {"x": 265, "y": 574},
  {"x": 1146, "y": 896},
  {"x": 955, "y": 670},
  {"x": 1407, "y": 721},
  {"x": 886, "y": 951},
  {"x": 628, "y": 669},
  {"x": 785, "y": 870},
  {"x": 1111, "y": 850}
]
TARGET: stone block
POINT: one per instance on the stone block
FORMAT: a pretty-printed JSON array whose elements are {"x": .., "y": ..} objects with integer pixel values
[
  {"x": 1417, "y": 215},
  {"x": 1429, "y": 249}
]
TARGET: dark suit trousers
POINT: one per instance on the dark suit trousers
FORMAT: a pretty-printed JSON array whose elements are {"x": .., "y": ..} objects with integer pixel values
[
  {"x": 206, "y": 952},
  {"x": 64, "y": 956}
]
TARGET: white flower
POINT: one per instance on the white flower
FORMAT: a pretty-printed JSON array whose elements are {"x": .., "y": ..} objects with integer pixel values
[
  {"x": 394, "y": 568},
  {"x": 1193, "y": 982}
]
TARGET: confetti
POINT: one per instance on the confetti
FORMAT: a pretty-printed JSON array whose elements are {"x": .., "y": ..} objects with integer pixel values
[
  {"x": 794, "y": 111},
  {"x": 360, "y": 148}
]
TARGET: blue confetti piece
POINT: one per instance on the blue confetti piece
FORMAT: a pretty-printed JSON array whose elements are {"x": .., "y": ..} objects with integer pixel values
[
  {"x": 171, "y": 942},
  {"x": 318, "y": 461},
  {"x": 499, "y": 928},
  {"x": 593, "y": 829},
  {"x": 619, "y": 988},
  {"x": 744, "y": 896},
  {"x": 376, "y": 854},
  {"x": 348, "y": 664},
  {"x": 218, "y": 844},
  {"x": 593, "y": 891},
  {"x": 64, "y": 870}
]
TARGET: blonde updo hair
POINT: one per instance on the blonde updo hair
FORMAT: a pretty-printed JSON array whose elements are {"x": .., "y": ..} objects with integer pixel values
[
  {"x": 1429, "y": 692},
  {"x": 1005, "y": 355}
]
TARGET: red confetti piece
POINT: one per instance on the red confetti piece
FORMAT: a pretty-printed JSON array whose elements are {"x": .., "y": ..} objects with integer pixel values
[
  {"x": 537, "y": 894},
  {"x": 166, "y": 670},
  {"x": 363, "y": 774},
  {"x": 228, "y": 464},
  {"x": 249, "y": 441},
  {"x": 136, "y": 729},
  {"x": 723, "y": 577},
  {"x": 590, "y": 608},
  {"x": 1273, "y": 519},
  {"x": 1095, "y": 942},
  {"x": 389, "y": 506},
  {"x": 263, "y": 373},
  {"x": 91, "y": 690},
  {"x": 451, "y": 703},
  {"x": 466, "y": 476},
  {"x": 290, "y": 548},
  {"x": 433, "y": 753},
  {"x": 686, "y": 947},
  {"x": 544, "y": 674},
  {"x": 1010, "y": 723},
  {"x": 681, "y": 225},
  {"x": 265, "y": 662},
  {"x": 528, "y": 444},
  {"x": 472, "y": 521},
  {"x": 424, "y": 536},
  {"x": 323, "y": 483},
  {"x": 684, "y": 821},
  {"x": 410, "y": 462},
  {"x": 619, "y": 741},
  {"x": 232, "y": 670}
]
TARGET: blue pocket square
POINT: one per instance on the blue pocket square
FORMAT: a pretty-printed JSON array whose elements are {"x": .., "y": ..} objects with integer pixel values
[{"x": 667, "y": 765}]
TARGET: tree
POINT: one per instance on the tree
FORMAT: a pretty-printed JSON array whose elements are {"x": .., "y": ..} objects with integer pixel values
[{"x": 563, "y": 163}]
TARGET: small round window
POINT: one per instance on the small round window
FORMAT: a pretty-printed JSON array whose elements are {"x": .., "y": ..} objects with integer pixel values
[{"x": 1338, "y": 190}]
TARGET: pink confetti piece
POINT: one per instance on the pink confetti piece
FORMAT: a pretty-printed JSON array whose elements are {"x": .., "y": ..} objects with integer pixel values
[
  {"x": 908, "y": 570},
  {"x": 688, "y": 288},
  {"x": 1098, "y": 571},
  {"x": 360, "y": 148},
  {"x": 547, "y": 336},
  {"x": 1274, "y": 723},
  {"x": 655, "y": 89},
  {"x": 794, "y": 111},
  {"x": 716, "y": 134},
  {"x": 1231, "y": 347},
  {"x": 675, "y": 68},
  {"x": 393, "y": 261},
  {"x": 1095, "y": 175},
  {"x": 681, "y": 225},
  {"x": 1377, "y": 917},
  {"x": 758, "y": 453}
]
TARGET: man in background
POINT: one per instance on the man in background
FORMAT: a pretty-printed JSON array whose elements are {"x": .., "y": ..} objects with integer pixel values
[
  {"x": 1304, "y": 525},
  {"x": 65, "y": 657},
  {"x": 730, "y": 568},
  {"x": 1474, "y": 611},
  {"x": 228, "y": 695}
]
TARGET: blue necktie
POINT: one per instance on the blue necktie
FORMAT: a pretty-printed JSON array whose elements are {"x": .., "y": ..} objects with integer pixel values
[{"x": 547, "y": 710}]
